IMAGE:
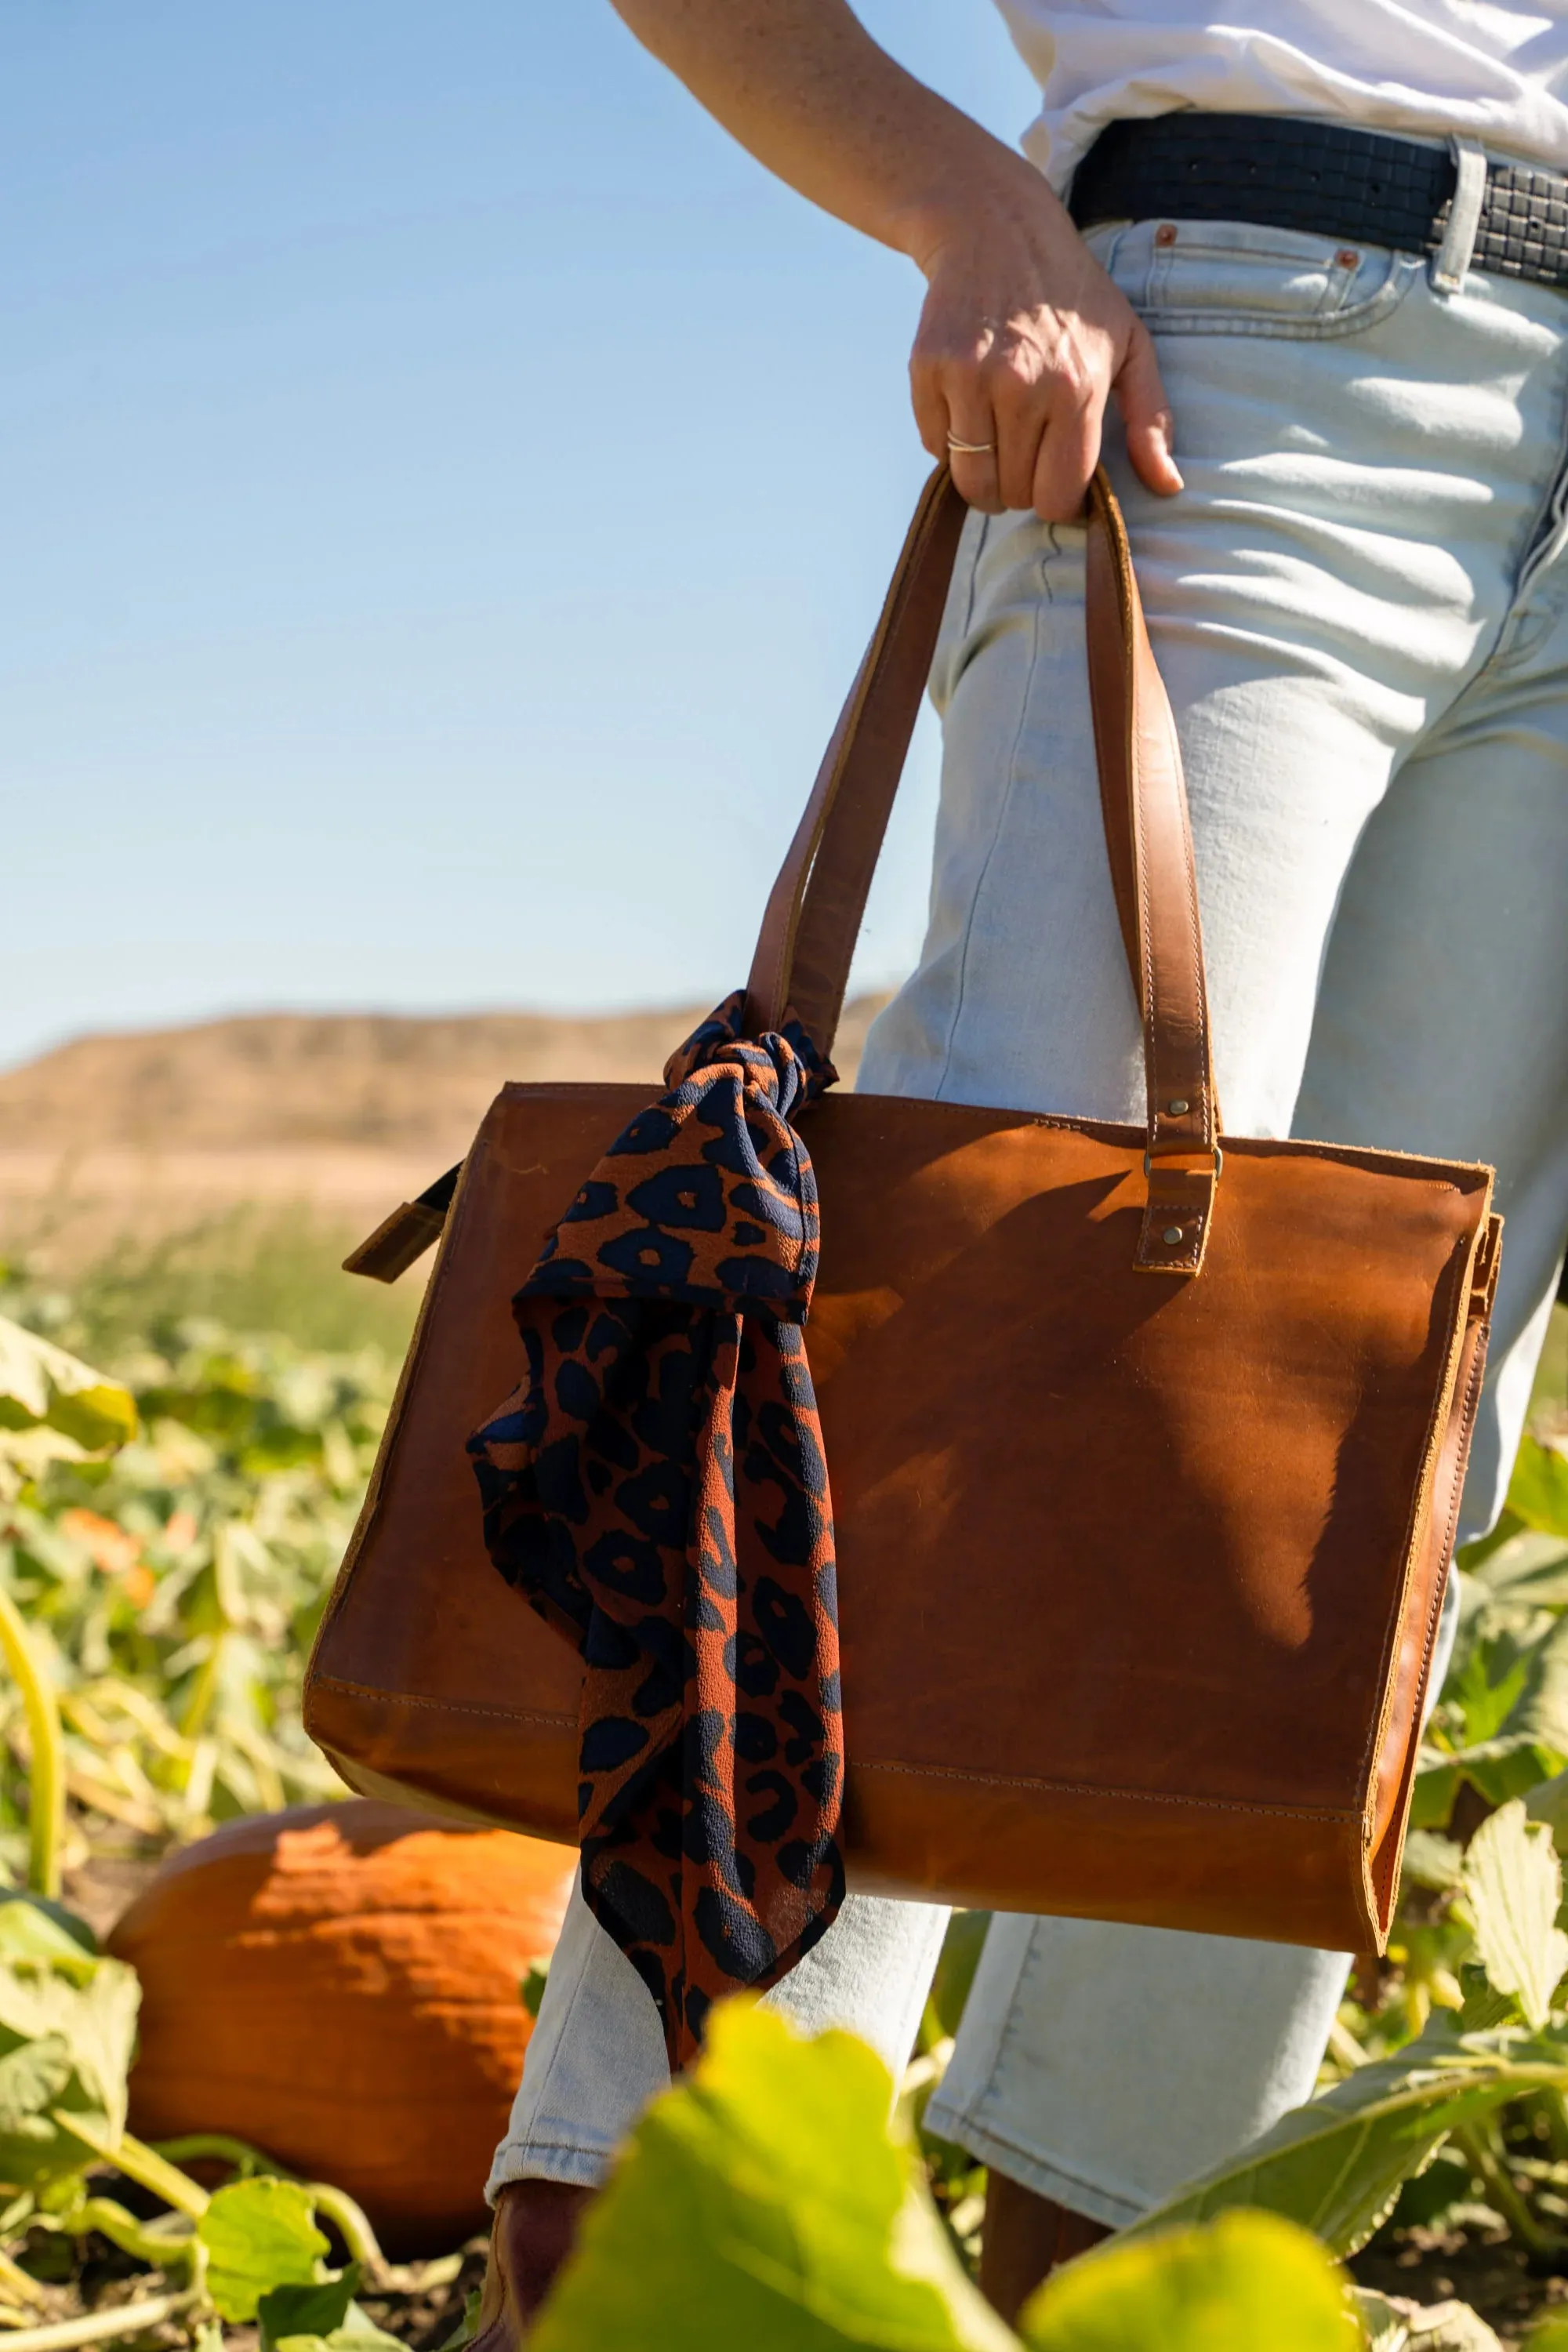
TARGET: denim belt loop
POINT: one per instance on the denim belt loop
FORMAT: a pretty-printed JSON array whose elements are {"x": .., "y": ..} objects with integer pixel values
[{"x": 1454, "y": 256}]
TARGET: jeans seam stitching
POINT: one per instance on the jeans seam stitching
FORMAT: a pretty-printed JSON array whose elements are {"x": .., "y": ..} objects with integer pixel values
[
  {"x": 1335, "y": 326},
  {"x": 1003, "y": 805},
  {"x": 559, "y": 2039}
]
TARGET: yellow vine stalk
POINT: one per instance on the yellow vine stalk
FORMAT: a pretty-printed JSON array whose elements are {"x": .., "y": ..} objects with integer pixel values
[{"x": 46, "y": 1784}]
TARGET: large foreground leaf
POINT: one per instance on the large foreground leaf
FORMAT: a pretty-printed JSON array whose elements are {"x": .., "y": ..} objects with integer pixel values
[
  {"x": 1247, "y": 2281},
  {"x": 761, "y": 2206},
  {"x": 1538, "y": 1489},
  {"x": 259, "y": 2234},
  {"x": 1514, "y": 1884},
  {"x": 68, "y": 2026},
  {"x": 1336, "y": 2165},
  {"x": 42, "y": 1386}
]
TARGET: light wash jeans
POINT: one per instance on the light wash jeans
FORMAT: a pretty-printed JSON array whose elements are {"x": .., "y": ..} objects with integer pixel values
[{"x": 1360, "y": 604}]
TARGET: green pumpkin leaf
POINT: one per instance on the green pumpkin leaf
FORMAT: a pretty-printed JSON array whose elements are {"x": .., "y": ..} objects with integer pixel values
[
  {"x": 313, "y": 2310},
  {"x": 96, "y": 2020},
  {"x": 762, "y": 2205},
  {"x": 1337, "y": 2164},
  {"x": 1538, "y": 1490},
  {"x": 1548, "y": 1802},
  {"x": 358, "y": 2333},
  {"x": 32, "y": 2077},
  {"x": 1432, "y": 1860},
  {"x": 259, "y": 2234},
  {"x": 1385, "y": 2328},
  {"x": 33, "y": 1928},
  {"x": 1439, "y": 2327},
  {"x": 1247, "y": 2280},
  {"x": 961, "y": 1950},
  {"x": 42, "y": 1386},
  {"x": 1513, "y": 1886},
  {"x": 1529, "y": 1569}
]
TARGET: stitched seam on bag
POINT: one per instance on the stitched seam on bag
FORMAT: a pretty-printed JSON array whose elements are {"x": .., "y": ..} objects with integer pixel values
[
  {"x": 1129, "y": 1796},
  {"x": 1377, "y": 1731},
  {"x": 370, "y": 1509},
  {"x": 1384, "y": 1881},
  {"x": 446, "y": 1705},
  {"x": 1117, "y": 1133}
]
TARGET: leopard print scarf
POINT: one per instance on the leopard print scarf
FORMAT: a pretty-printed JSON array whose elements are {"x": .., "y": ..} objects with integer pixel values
[{"x": 656, "y": 1487}]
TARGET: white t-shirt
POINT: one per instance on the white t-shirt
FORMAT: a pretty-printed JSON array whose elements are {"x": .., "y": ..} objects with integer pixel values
[{"x": 1497, "y": 74}]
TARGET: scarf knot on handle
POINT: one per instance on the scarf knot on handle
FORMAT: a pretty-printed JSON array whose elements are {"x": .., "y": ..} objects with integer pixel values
[{"x": 656, "y": 1487}]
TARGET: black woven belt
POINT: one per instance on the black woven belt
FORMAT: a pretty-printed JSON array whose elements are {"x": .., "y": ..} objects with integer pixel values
[{"x": 1326, "y": 178}]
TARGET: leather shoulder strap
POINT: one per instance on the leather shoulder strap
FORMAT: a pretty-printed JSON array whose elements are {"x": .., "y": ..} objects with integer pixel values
[
  {"x": 813, "y": 913},
  {"x": 809, "y": 935}
]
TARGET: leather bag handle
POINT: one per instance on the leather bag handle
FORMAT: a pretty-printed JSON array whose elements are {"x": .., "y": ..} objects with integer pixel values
[{"x": 813, "y": 912}]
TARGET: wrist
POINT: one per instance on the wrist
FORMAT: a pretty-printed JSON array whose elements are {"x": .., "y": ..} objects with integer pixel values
[{"x": 978, "y": 196}]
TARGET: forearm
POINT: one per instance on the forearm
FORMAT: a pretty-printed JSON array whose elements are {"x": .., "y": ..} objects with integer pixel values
[{"x": 803, "y": 86}]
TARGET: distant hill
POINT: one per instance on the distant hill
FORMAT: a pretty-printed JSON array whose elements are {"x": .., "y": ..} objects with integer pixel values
[
  {"x": 384, "y": 1080},
  {"x": 349, "y": 1111}
]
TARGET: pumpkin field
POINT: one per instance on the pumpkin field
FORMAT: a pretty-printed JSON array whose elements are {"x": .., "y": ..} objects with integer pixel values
[{"x": 258, "y": 2039}]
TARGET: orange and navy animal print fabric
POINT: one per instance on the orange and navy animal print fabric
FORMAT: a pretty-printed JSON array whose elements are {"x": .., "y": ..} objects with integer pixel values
[{"x": 656, "y": 1487}]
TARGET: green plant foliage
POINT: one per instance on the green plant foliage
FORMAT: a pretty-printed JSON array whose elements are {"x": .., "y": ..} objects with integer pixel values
[
  {"x": 68, "y": 2026},
  {"x": 43, "y": 1386},
  {"x": 1538, "y": 1490},
  {"x": 320, "y": 2318},
  {"x": 171, "y": 1592},
  {"x": 313, "y": 2310},
  {"x": 357, "y": 2333},
  {"x": 1441, "y": 2327},
  {"x": 1513, "y": 1887},
  {"x": 1337, "y": 2164},
  {"x": 260, "y": 2235},
  {"x": 1248, "y": 2280},
  {"x": 763, "y": 2203},
  {"x": 961, "y": 1950},
  {"x": 1501, "y": 1724}
]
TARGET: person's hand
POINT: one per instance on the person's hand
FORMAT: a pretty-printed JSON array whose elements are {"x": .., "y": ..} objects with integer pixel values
[{"x": 1022, "y": 342}]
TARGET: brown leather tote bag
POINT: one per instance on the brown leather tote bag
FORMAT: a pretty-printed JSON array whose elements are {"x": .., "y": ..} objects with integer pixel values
[{"x": 1146, "y": 1453}]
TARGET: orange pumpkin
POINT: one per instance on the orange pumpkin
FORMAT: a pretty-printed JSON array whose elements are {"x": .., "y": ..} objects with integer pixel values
[{"x": 338, "y": 1985}]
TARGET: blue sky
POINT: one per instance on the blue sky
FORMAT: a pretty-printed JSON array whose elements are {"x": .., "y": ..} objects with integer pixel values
[{"x": 445, "y": 487}]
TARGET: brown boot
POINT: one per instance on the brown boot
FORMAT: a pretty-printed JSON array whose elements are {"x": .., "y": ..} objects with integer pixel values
[
  {"x": 1026, "y": 2238},
  {"x": 532, "y": 2235}
]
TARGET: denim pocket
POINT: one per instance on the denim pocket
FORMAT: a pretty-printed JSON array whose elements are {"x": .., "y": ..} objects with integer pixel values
[{"x": 1233, "y": 278}]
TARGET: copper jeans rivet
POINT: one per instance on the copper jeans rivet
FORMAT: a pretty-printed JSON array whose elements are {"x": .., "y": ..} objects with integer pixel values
[{"x": 1165, "y": 233}]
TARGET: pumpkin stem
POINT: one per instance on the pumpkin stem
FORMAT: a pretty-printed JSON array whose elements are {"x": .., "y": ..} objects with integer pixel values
[
  {"x": 204, "y": 1690},
  {"x": 47, "y": 1781},
  {"x": 17, "y": 2282},
  {"x": 138, "y": 2162},
  {"x": 219, "y": 2148},
  {"x": 131, "y": 2236},
  {"x": 351, "y": 2223},
  {"x": 117, "y": 2319}
]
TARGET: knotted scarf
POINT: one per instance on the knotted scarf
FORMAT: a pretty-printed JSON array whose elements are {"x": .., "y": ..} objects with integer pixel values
[{"x": 656, "y": 1487}]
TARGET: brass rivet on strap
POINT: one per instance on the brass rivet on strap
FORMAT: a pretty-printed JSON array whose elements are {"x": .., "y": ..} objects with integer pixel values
[
  {"x": 1178, "y": 1106},
  {"x": 1172, "y": 1235}
]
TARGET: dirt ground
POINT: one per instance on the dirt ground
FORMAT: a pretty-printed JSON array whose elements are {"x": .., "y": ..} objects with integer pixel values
[{"x": 1483, "y": 2267}]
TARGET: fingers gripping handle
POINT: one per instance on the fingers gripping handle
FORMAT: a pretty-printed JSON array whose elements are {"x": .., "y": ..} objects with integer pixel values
[{"x": 815, "y": 910}]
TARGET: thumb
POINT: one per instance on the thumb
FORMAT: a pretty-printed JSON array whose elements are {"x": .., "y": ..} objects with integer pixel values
[{"x": 1146, "y": 414}]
